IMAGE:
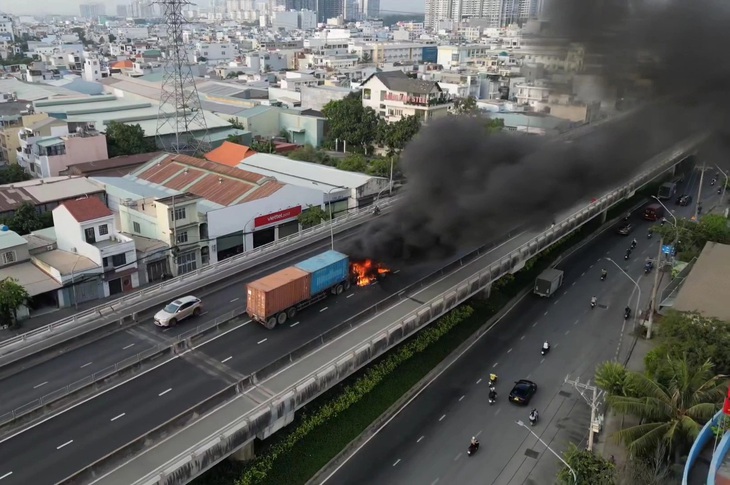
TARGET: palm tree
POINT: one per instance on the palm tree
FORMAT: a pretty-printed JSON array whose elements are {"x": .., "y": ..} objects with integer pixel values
[{"x": 672, "y": 411}]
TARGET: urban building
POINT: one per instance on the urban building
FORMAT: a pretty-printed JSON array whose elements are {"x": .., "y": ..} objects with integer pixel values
[
  {"x": 86, "y": 227},
  {"x": 46, "y": 194},
  {"x": 10, "y": 127},
  {"x": 393, "y": 95},
  {"x": 92, "y": 10},
  {"x": 6, "y": 29}
]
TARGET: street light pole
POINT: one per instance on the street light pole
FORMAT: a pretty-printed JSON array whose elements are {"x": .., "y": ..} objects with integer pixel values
[
  {"x": 652, "y": 307},
  {"x": 699, "y": 193},
  {"x": 638, "y": 289},
  {"x": 676, "y": 224},
  {"x": 724, "y": 187},
  {"x": 575, "y": 477},
  {"x": 73, "y": 281},
  {"x": 332, "y": 227}
]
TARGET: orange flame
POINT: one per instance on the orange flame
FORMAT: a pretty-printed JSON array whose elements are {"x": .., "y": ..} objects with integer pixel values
[{"x": 367, "y": 272}]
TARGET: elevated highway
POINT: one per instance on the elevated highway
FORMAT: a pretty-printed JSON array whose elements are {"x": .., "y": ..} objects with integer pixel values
[{"x": 237, "y": 410}]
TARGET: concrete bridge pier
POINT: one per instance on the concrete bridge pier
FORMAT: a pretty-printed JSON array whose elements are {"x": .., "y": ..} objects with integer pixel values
[
  {"x": 244, "y": 453},
  {"x": 485, "y": 293},
  {"x": 602, "y": 218}
]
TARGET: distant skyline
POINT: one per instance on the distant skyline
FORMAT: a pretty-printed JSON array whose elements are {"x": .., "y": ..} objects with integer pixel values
[{"x": 71, "y": 7}]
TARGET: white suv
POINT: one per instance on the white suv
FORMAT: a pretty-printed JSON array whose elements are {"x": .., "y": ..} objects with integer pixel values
[{"x": 179, "y": 310}]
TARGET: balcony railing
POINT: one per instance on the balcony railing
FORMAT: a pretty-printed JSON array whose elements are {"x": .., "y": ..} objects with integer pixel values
[{"x": 413, "y": 100}]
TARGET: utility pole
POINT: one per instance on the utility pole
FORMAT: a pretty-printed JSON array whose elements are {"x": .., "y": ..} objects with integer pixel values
[
  {"x": 699, "y": 193},
  {"x": 655, "y": 288},
  {"x": 595, "y": 425}
]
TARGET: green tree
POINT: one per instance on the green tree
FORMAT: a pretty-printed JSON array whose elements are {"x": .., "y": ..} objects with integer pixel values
[
  {"x": 612, "y": 377},
  {"x": 112, "y": 38},
  {"x": 312, "y": 216},
  {"x": 348, "y": 121},
  {"x": 466, "y": 106},
  {"x": 122, "y": 139},
  {"x": 671, "y": 413},
  {"x": 494, "y": 125},
  {"x": 308, "y": 153},
  {"x": 26, "y": 219},
  {"x": 588, "y": 468},
  {"x": 365, "y": 58},
  {"x": 102, "y": 40},
  {"x": 263, "y": 146},
  {"x": 237, "y": 139},
  {"x": 353, "y": 162},
  {"x": 12, "y": 297},
  {"x": 395, "y": 136},
  {"x": 380, "y": 167},
  {"x": 12, "y": 174},
  {"x": 236, "y": 124}
]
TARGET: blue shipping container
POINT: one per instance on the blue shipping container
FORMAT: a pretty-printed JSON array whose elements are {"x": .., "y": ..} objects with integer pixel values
[{"x": 327, "y": 270}]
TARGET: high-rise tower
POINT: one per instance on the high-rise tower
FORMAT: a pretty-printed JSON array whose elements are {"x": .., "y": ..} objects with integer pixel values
[{"x": 179, "y": 101}]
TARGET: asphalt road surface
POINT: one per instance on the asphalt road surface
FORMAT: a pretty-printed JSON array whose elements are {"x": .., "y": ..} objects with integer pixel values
[
  {"x": 426, "y": 442},
  {"x": 45, "y": 378}
]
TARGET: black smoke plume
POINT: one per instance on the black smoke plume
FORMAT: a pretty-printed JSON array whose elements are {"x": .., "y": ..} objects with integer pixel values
[{"x": 466, "y": 187}]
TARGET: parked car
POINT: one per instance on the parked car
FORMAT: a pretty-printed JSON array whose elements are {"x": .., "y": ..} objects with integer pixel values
[
  {"x": 684, "y": 200},
  {"x": 177, "y": 310},
  {"x": 625, "y": 229},
  {"x": 522, "y": 392}
]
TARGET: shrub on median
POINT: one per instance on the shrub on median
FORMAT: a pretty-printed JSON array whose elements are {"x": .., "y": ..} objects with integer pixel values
[{"x": 261, "y": 466}]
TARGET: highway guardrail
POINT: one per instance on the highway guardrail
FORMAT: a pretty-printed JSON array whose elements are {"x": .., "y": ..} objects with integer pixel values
[
  {"x": 151, "y": 297},
  {"x": 239, "y": 432}
]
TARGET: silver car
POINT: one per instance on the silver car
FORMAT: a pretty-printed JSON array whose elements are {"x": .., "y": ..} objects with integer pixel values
[{"x": 179, "y": 309}]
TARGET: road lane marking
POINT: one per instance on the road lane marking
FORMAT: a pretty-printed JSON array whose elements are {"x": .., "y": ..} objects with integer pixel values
[
  {"x": 396, "y": 462},
  {"x": 497, "y": 412},
  {"x": 495, "y": 365},
  {"x": 590, "y": 266},
  {"x": 396, "y": 271},
  {"x": 323, "y": 309},
  {"x": 461, "y": 398},
  {"x": 567, "y": 332},
  {"x": 555, "y": 346},
  {"x": 545, "y": 313},
  {"x": 573, "y": 284},
  {"x": 457, "y": 457},
  {"x": 583, "y": 273},
  {"x": 543, "y": 360},
  {"x": 231, "y": 330},
  {"x": 40, "y": 385},
  {"x": 522, "y": 338},
  {"x": 117, "y": 417},
  {"x": 479, "y": 381},
  {"x": 294, "y": 324},
  {"x": 442, "y": 418},
  {"x": 556, "y": 301},
  {"x": 534, "y": 324},
  {"x": 419, "y": 439},
  {"x": 86, "y": 365},
  {"x": 204, "y": 313},
  {"x": 435, "y": 481},
  {"x": 510, "y": 350},
  {"x": 226, "y": 359},
  {"x": 65, "y": 444},
  {"x": 235, "y": 299},
  {"x": 480, "y": 432},
  {"x": 576, "y": 322},
  {"x": 164, "y": 392},
  {"x": 128, "y": 347},
  {"x": 262, "y": 341},
  {"x": 528, "y": 376},
  {"x": 350, "y": 295},
  {"x": 6, "y": 475}
]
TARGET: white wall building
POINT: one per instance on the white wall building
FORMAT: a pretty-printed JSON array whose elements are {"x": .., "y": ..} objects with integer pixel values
[
  {"x": 216, "y": 51},
  {"x": 86, "y": 227}
]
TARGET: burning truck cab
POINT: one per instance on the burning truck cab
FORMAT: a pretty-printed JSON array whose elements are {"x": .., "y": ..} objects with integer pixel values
[{"x": 278, "y": 297}]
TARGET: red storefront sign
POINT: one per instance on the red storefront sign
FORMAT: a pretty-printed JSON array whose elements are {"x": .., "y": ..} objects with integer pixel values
[
  {"x": 726, "y": 407},
  {"x": 277, "y": 216}
]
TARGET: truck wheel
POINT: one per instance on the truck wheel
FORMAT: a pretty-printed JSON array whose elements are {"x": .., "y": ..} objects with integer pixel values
[
  {"x": 281, "y": 318},
  {"x": 291, "y": 313},
  {"x": 347, "y": 285},
  {"x": 339, "y": 289},
  {"x": 270, "y": 323}
]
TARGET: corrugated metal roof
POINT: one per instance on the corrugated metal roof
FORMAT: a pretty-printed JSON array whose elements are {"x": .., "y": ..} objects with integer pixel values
[
  {"x": 54, "y": 189},
  {"x": 33, "y": 91},
  {"x": 31, "y": 277},
  {"x": 229, "y": 154},
  {"x": 13, "y": 197},
  {"x": 67, "y": 263},
  {"x": 186, "y": 178},
  {"x": 220, "y": 89},
  {"x": 262, "y": 192},
  {"x": 221, "y": 190},
  {"x": 260, "y": 109},
  {"x": 140, "y": 188}
]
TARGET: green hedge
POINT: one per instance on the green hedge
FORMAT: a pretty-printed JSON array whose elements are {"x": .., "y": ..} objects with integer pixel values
[
  {"x": 374, "y": 375},
  {"x": 324, "y": 427}
]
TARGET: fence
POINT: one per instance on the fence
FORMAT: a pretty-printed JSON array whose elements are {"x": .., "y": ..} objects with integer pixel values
[{"x": 253, "y": 256}]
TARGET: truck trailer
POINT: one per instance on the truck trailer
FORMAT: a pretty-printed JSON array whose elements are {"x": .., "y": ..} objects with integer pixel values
[
  {"x": 276, "y": 298},
  {"x": 548, "y": 282}
]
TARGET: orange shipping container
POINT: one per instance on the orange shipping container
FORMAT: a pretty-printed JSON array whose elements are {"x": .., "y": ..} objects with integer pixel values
[{"x": 277, "y": 292}]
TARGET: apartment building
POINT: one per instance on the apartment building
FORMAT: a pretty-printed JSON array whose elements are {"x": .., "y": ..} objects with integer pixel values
[
  {"x": 10, "y": 127},
  {"x": 393, "y": 95}
]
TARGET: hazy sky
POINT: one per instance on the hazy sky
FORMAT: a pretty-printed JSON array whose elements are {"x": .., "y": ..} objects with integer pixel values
[{"x": 71, "y": 7}]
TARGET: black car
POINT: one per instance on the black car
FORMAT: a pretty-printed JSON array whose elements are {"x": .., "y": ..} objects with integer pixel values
[
  {"x": 625, "y": 229},
  {"x": 684, "y": 200},
  {"x": 522, "y": 392}
]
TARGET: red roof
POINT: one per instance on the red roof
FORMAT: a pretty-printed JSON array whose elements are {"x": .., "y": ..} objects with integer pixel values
[
  {"x": 230, "y": 154},
  {"x": 87, "y": 209}
]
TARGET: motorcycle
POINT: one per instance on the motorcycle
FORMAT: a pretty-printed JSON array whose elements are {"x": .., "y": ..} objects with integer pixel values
[
  {"x": 473, "y": 447},
  {"x": 376, "y": 211},
  {"x": 627, "y": 313},
  {"x": 492, "y": 397},
  {"x": 593, "y": 304},
  {"x": 633, "y": 244},
  {"x": 719, "y": 191},
  {"x": 649, "y": 235},
  {"x": 626, "y": 256},
  {"x": 648, "y": 267},
  {"x": 603, "y": 276},
  {"x": 545, "y": 350},
  {"x": 533, "y": 419},
  {"x": 492, "y": 380}
]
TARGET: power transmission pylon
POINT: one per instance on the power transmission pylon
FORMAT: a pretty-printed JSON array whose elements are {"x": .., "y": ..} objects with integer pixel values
[
  {"x": 596, "y": 420},
  {"x": 179, "y": 101}
]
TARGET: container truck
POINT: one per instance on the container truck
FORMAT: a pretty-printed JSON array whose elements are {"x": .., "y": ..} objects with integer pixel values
[
  {"x": 276, "y": 298},
  {"x": 548, "y": 282}
]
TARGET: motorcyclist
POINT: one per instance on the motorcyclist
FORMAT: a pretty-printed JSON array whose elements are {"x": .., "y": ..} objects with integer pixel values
[
  {"x": 627, "y": 311},
  {"x": 633, "y": 242},
  {"x": 492, "y": 378},
  {"x": 593, "y": 300},
  {"x": 604, "y": 273},
  {"x": 474, "y": 441},
  {"x": 376, "y": 210},
  {"x": 492, "y": 394},
  {"x": 533, "y": 415},
  {"x": 546, "y": 346}
]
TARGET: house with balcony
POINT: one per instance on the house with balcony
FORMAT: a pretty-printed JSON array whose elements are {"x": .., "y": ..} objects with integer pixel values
[
  {"x": 49, "y": 156},
  {"x": 87, "y": 227},
  {"x": 10, "y": 127},
  {"x": 394, "y": 95}
]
